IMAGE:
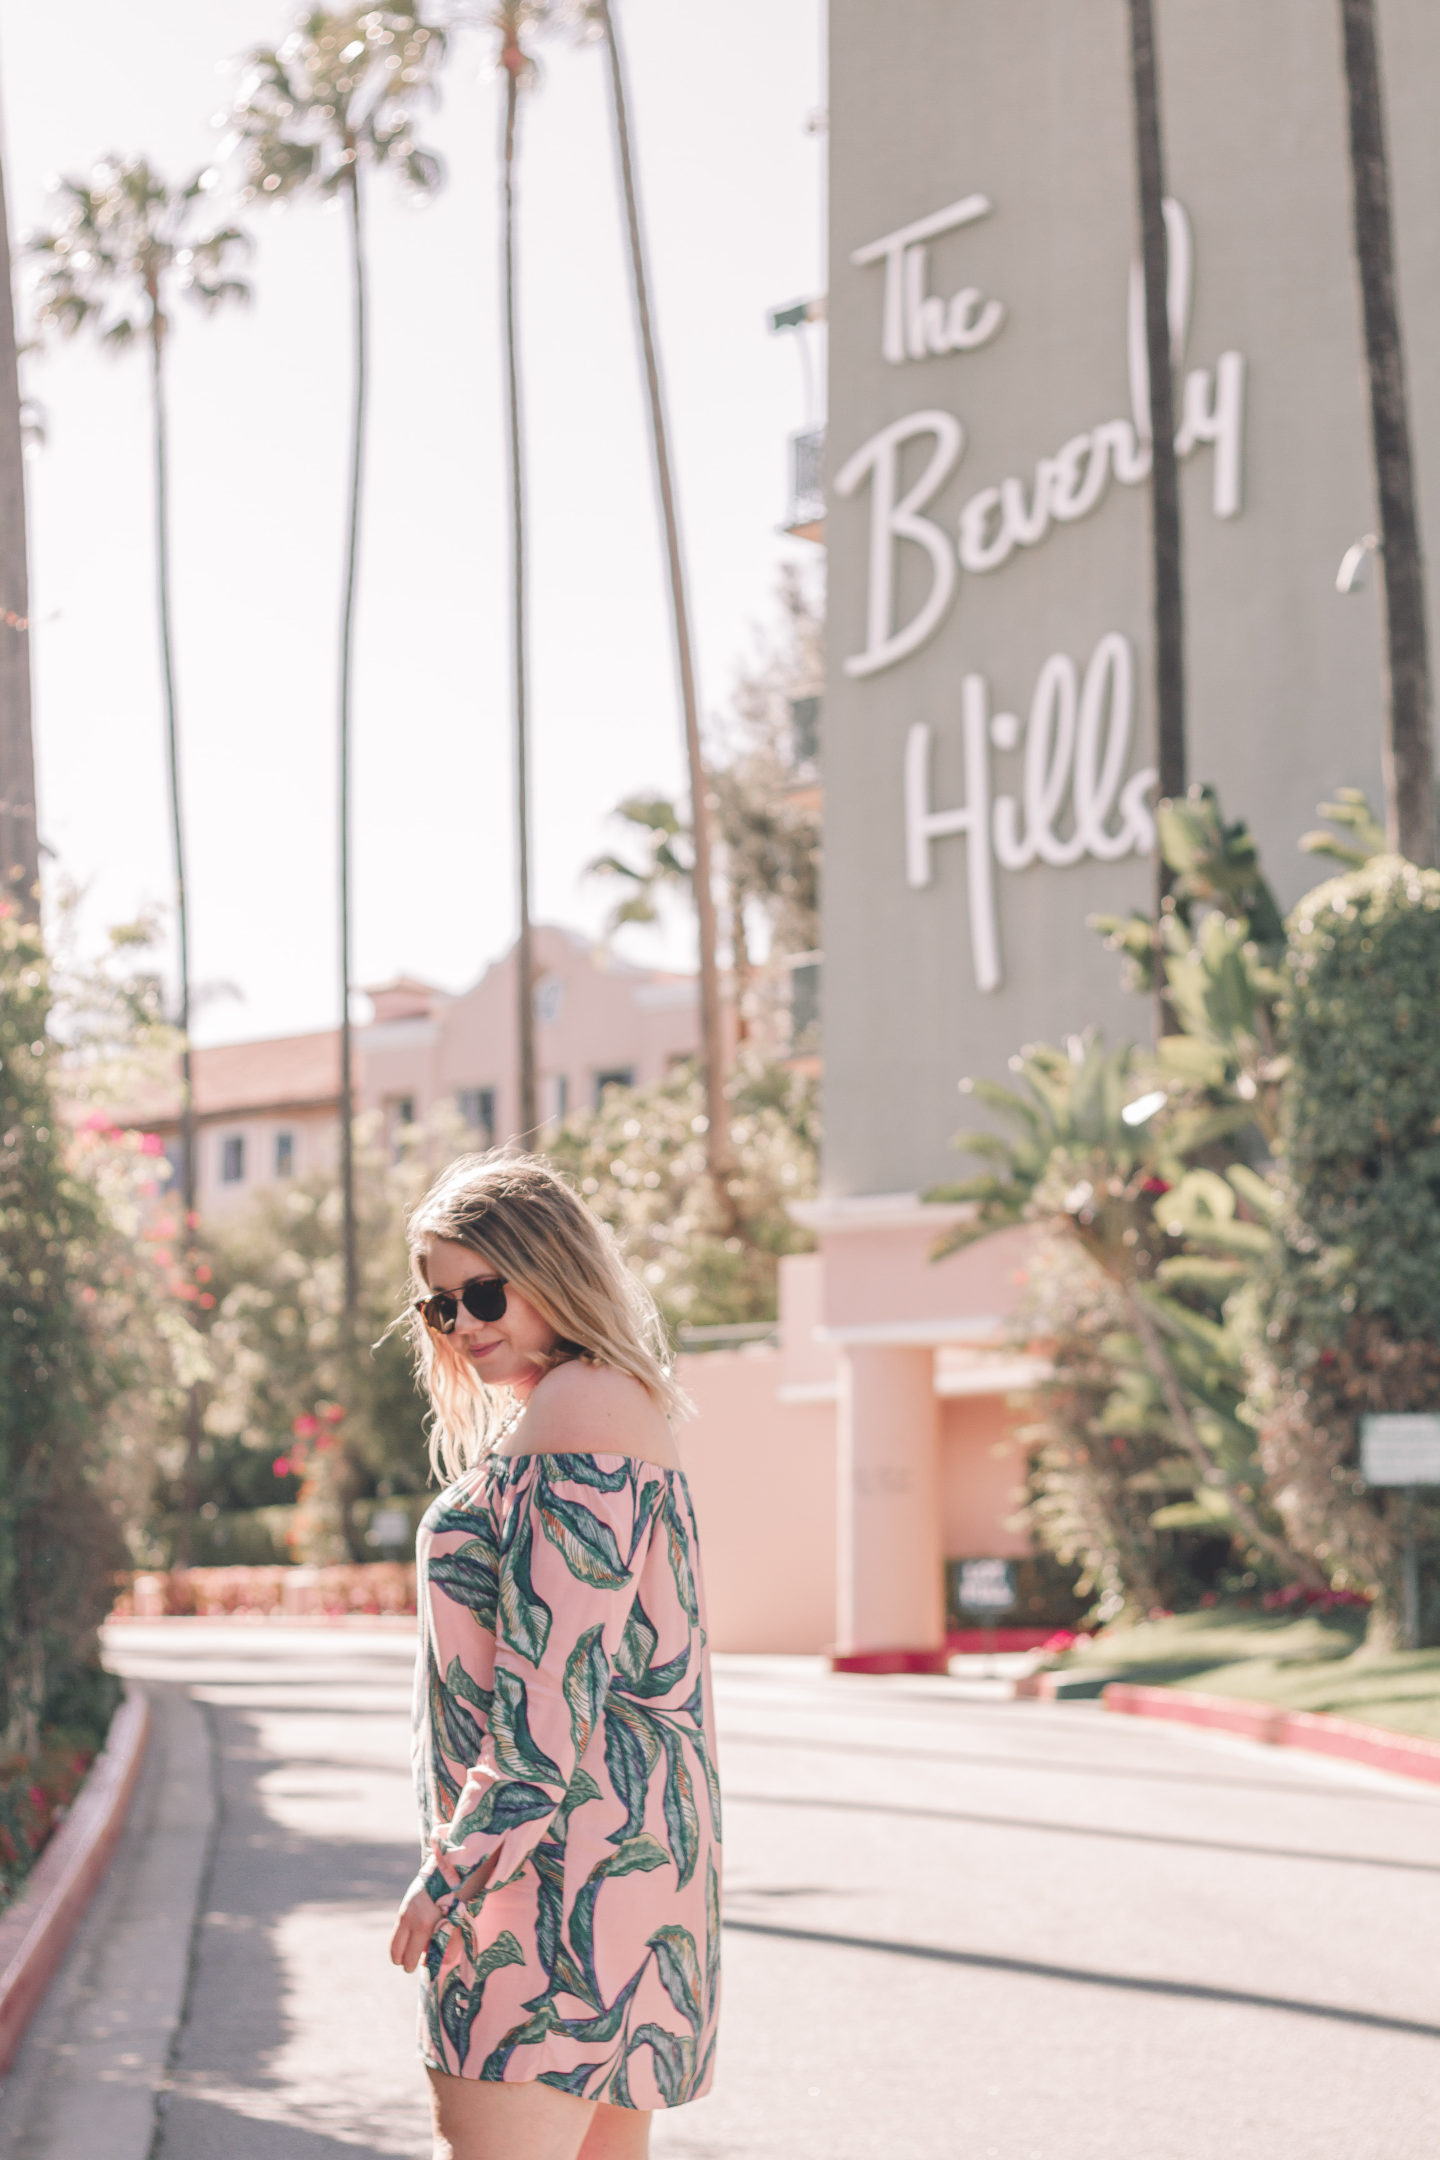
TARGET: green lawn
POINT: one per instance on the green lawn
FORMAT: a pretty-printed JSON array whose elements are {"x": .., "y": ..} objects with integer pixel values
[{"x": 1313, "y": 1663}]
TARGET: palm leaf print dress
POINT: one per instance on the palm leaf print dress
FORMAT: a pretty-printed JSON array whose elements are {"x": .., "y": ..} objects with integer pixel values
[{"x": 563, "y": 1722}]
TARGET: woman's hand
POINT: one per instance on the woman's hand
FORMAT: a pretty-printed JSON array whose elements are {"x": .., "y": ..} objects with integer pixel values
[{"x": 419, "y": 1918}]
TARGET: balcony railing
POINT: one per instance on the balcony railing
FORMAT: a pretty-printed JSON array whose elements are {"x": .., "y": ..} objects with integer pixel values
[{"x": 807, "y": 482}]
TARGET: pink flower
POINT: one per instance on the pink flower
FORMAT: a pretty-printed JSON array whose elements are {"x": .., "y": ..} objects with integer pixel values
[
  {"x": 151, "y": 1144},
  {"x": 281, "y": 1466},
  {"x": 305, "y": 1427},
  {"x": 333, "y": 1412}
]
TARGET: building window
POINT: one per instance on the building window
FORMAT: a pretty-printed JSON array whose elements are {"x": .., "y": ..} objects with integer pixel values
[
  {"x": 403, "y": 1109},
  {"x": 619, "y": 1076},
  {"x": 232, "y": 1159},
  {"x": 805, "y": 1005},
  {"x": 807, "y": 477},
  {"x": 549, "y": 997},
  {"x": 284, "y": 1154},
  {"x": 477, "y": 1108},
  {"x": 175, "y": 1157},
  {"x": 562, "y": 1096},
  {"x": 805, "y": 729}
]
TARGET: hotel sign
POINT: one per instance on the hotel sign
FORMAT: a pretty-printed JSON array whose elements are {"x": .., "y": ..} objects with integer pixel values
[
  {"x": 1076, "y": 740},
  {"x": 989, "y": 721}
]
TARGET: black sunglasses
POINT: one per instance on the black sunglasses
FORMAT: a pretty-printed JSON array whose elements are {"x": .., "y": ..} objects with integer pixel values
[{"x": 483, "y": 1298}]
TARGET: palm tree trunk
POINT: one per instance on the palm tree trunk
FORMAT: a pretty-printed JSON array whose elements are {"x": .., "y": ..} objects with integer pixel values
[
  {"x": 348, "y": 1230},
  {"x": 19, "y": 843},
  {"x": 1408, "y": 753},
  {"x": 513, "y": 61},
  {"x": 182, "y": 901},
  {"x": 711, "y": 1018},
  {"x": 1168, "y": 597}
]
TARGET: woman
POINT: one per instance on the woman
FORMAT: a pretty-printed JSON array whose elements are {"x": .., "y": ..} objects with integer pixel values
[{"x": 567, "y": 1910}]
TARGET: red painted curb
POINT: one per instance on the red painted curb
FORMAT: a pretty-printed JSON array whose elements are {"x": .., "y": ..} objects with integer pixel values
[
  {"x": 1218, "y": 1713},
  {"x": 1310, "y": 1730},
  {"x": 889, "y": 1661},
  {"x": 35, "y": 1932},
  {"x": 1397, "y": 1752},
  {"x": 981, "y": 1642}
]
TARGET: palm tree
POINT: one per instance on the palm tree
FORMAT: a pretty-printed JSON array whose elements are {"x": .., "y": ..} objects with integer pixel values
[
  {"x": 19, "y": 842},
  {"x": 1169, "y": 603},
  {"x": 337, "y": 95},
  {"x": 511, "y": 19},
  {"x": 1408, "y": 753},
  {"x": 701, "y": 811},
  {"x": 124, "y": 245}
]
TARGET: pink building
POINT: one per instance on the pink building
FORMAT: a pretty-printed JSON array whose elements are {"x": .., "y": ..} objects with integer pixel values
[
  {"x": 268, "y": 1111},
  {"x": 599, "y": 1021}
]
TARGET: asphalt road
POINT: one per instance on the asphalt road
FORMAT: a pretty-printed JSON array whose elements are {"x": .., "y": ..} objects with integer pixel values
[{"x": 956, "y": 1927}]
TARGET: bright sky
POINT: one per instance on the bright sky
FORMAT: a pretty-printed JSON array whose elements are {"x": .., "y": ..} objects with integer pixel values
[{"x": 732, "y": 182}]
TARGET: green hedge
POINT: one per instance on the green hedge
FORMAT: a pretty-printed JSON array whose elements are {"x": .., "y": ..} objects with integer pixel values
[
  {"x": 1348, "y": 1320},
  {"x": 59, "y": 1546}
]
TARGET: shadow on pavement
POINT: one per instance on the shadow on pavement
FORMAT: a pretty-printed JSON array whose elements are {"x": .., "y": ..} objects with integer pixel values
[
  {"x": 1081, "y": 1976},
  {"x": 1080, "y": 1830},
  {"x": 248, "y": 2082},
  {"x": 1299, "y": 1788}
]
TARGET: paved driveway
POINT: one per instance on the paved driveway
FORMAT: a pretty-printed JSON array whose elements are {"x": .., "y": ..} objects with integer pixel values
[{"x": 956, "y": 1927}]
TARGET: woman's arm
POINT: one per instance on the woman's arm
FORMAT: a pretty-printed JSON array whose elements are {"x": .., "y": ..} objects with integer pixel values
[{"x": 573, "y": 1536}]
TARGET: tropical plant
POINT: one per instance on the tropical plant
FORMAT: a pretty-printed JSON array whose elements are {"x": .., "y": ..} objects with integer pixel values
[
  {"x": 601, "y": 16},
  {"x": 1169, "y": 593},
  {"x": 1151, "y": 1170},
  {"x": 124, "y": 247},
  {"x": 767, "y": 817},
  {"x": 19, "y": 838},
  {"x": 640, "y": 1161},
  {"x": 512, "y": 20},
  {"x": 1346, "y": 1317},
  {"x": 1408, "y": 750},
  {"x": 338, "y": 95}
]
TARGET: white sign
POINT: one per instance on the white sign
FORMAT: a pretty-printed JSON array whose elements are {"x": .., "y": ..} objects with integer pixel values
[
  {"x": 1066, "y": 486},
  {"x": 985, "y": 1586},
  {"x": 1077, "y": 742},
  {"x": 1401, "y": 1448},
  {"x": 914, "y": 323}
]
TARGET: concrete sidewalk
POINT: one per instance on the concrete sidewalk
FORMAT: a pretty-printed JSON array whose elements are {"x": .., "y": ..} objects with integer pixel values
[
  {"x": 95, "y": 2059},
  {"x": 955, "y": 1925}
]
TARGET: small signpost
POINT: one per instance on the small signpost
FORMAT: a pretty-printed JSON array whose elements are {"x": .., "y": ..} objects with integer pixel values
[
  {"x": 1403, "y": 1448},
  {"x": 987, "y": 1589}
]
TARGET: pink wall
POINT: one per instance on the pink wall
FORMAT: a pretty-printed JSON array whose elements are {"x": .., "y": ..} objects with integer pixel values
[
  {"x": 762, "y": 1473},
  {"x": 886, "y": 1273},
  {"x": 981, "y": 1472}
]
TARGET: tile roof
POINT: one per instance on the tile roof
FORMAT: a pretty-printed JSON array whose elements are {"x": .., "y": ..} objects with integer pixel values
[{"x": 234, "y": 1079}]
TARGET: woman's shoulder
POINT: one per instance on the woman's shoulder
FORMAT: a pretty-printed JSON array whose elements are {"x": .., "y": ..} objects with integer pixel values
[{"x": 581, "y": 1408}]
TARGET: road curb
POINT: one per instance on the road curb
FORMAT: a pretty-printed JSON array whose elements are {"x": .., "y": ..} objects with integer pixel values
[
  {"x": 394, "y": 1623},
  {"x": 35, "y": 1933},
  {"x": 1312, "y": 1731}
]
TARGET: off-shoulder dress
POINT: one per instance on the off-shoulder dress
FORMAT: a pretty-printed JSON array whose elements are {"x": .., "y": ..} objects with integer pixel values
[{"x": 565, "y": 1770}]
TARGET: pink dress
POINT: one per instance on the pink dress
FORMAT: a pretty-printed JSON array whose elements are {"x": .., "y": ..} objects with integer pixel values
[{"x": 563, "y": 1733}]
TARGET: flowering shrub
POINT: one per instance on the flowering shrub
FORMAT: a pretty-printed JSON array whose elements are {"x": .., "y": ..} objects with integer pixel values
[
  {"x": 1301, "y": 1597},
  {"x": 373, "y": 1586},
  {"x": 639, "y": 1162},
  {"x": 36, "y": 1791}
]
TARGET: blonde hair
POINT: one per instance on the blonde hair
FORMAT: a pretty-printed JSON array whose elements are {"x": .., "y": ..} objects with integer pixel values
[{"x": 514, "y": 1211}]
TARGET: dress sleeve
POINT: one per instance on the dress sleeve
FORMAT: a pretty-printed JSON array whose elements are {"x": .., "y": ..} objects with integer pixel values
[{"x": 573, "y": 1532}]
